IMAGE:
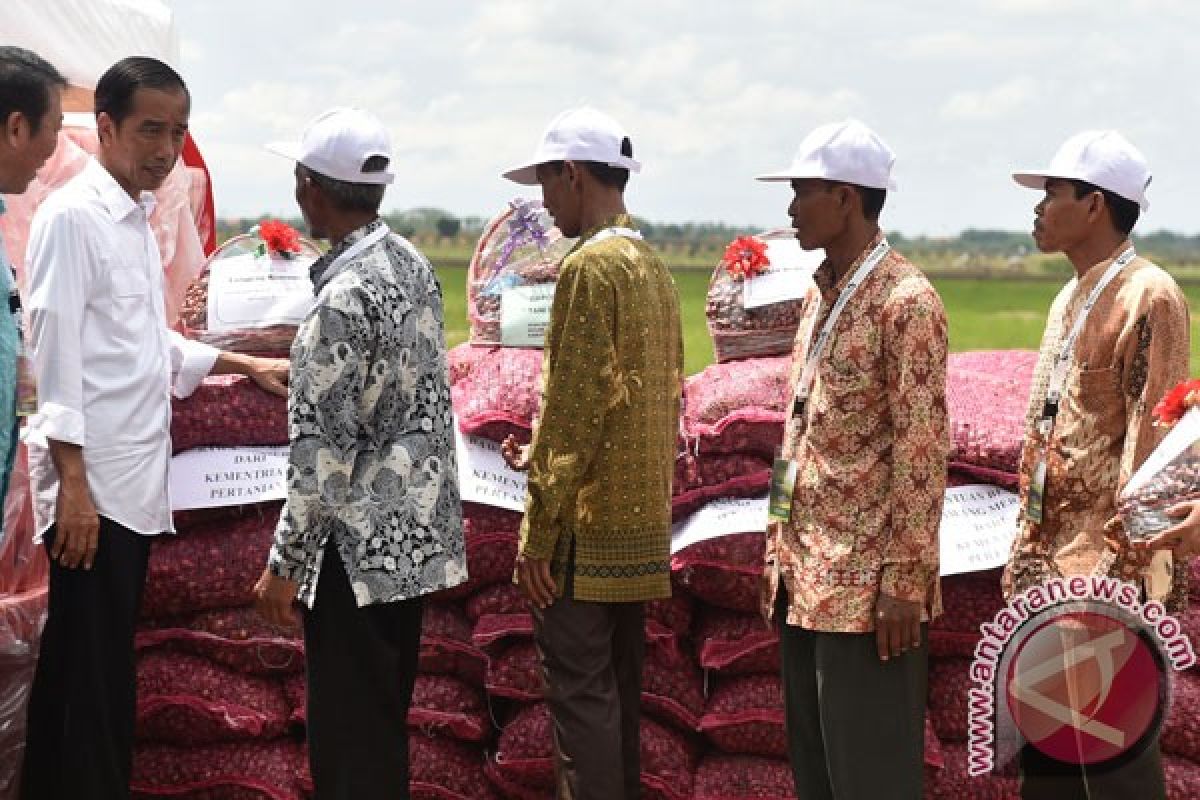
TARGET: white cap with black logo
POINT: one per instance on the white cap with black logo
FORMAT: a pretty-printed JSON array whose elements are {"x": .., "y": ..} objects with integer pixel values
[
  {"x": 581, "y": 134},
  {"x": 339, "y": 143}
]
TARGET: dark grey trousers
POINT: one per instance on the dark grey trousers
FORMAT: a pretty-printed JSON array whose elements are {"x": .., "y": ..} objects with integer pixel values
[
  {"x": 1044, "y": 778},
  {"x": 855, "y": 724},
  {"x": 591, "y": 656}
]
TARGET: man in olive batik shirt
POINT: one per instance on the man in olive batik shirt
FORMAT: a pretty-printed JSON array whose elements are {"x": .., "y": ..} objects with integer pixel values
[{"x": 595, "y": 541}]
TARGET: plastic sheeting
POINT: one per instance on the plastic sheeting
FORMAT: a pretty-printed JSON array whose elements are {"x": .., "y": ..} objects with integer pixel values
[
  {"x": 83, "y": 38},
  {"x": 173, "y": 220}
]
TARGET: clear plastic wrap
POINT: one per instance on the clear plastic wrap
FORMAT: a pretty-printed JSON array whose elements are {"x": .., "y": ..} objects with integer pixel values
[
  {"x": 253, "y": 339},
  {"x": 1171, "y": 475},
  {"x": 519, "y": 247}
]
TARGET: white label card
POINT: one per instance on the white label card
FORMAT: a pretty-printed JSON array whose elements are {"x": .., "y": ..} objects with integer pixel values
[
  {"x": 723, "y": 517},
  {"x": 484, "y": 476},
  {"x": 979, "y": 523},
  {"x": 525, "y": 315},
  {"x": 211, "y": 477},
  {"x": 250, "y": 292},
  {"x": 788, "y": 278}
]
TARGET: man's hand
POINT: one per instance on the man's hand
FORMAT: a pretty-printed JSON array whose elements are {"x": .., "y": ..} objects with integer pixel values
[
  {"x": 534, "y": 579},
  {"x": 77, "y": 525},
  {"x": 275, "y": 599},
  {"x": 1183, "y": 537},
  {"x": 270, "y": 374},
  {"x": 516, "y": 455},
  {"x": 897, "y": 626}
]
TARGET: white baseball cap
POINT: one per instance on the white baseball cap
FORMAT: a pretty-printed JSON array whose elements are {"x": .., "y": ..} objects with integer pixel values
[
  {"x": 846, "y": 152},
  {"x": 580, "y": 134},
  {"x": 338, "y": 143},
  {"x": 1101, "y": 158}
]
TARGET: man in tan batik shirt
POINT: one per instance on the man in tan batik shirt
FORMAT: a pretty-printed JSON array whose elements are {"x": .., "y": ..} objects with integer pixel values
[{"x": 1133, "y": 347}]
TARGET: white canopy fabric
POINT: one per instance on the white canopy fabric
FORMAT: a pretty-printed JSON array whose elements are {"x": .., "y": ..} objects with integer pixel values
[{"x": 83, "y": 38}]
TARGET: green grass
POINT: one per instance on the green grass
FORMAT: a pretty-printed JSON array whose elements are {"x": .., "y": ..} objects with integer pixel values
[{"x": 992, "y": 314}]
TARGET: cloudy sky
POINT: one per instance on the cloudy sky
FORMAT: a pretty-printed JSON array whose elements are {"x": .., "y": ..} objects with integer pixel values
[{"x": 711, "y": 93}]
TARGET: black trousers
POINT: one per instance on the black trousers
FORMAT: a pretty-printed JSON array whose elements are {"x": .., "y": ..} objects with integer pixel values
[
  {"x": 855, "y": 724},
  {"x": 362, "y": 664},
  {"x": 591, "y": 656},
  {"x": 79, "y": 742},
  {"x": 1045, "y": 778}
]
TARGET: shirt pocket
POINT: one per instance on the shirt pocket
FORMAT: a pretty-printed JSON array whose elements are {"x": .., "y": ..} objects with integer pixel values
[{"x": 130, "y": 289}]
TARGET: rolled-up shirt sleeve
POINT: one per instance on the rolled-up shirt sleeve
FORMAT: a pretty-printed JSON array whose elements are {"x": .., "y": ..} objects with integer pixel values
[
  {"x": 60, "y": 264},
  {"x": 191, "y": 361}
]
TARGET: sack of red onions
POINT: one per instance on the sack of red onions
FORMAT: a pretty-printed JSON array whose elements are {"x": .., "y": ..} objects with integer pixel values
[{"x": 1171, "y": 474}]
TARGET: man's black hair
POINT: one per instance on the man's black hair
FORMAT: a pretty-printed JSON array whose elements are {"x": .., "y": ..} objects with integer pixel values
[
  {"x": 26, "y": 80},
  {"x": 1123, "y": 212},
  {"x": 114, "y": 92}
]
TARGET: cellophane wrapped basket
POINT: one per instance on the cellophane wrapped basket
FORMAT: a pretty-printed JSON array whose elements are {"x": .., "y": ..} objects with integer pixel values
[
  {"x": 519, "y": 247},
  {"x": 272, "y": 340},
  {"x": 738, "y": 332}
]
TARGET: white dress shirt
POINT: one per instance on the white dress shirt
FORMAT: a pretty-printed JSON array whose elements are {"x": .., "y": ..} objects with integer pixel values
[{"x": 105, "y": 361}]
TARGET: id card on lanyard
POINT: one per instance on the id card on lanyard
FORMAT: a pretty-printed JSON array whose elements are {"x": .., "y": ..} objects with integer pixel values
[
  {"x": 784, "y": 472},
  {"x": 1036, "y": 500}
]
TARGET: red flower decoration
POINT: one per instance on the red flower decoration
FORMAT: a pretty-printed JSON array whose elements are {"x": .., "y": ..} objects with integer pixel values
[
  {"x": 1177, "y": 402},
  {"x": 746, "y": 257},
  {"x": 279, "y": 237}
]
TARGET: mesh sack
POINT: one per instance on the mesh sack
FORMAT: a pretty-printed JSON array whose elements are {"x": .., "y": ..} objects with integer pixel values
[
  {"x": 501, "y": 396},
  {"x": 745, "y": 715},
  {"x": 953, "y": 782},
  {"x": 673, "y": 613},
  {"x": 1180, "y": 733},
  {"x": 444, "y": 769},
  {"x": 498, "y": 599},
  {"x": 968, "y": 600},
  {"x": 480, "y": 518},
  {"x": 741, "y": 777},
  {"x": 185, "y": 699},
  {"x": 1183, "y": 778},
  {"x": 738, "y": 407},
  {"x": 515, "y": 673},
  {"x": 949, "y": 684},
  {"x": 228, "y": 411},
  {"x": 672, "y": 690},
  {"x": 267, "y": 340},
  {"x": 524, "y": 758},
  {"x": 736, "y": 643},
  {"x": 519, "y": 247},
  {"x": 738, "y": 332},
  {"x": 243, "y": 771},
  {"x": 208, "y": 568},
  {"x": 446, "y": 647},
  {"x": 491, "y": 558},
  {"x": 987, "y": 396},
  {"x": 724, "y": 571},
  {"x": 237, "y": 638}
]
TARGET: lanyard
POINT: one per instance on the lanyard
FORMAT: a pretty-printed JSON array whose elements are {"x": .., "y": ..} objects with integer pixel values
[
  {"x": 1062, "y": 364},
  {"x": 804, "y": 386},
  {"x": 355, "y": 250}
]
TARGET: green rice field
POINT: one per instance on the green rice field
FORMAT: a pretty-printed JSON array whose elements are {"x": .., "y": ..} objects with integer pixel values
[{"x": 990, "y": 314}]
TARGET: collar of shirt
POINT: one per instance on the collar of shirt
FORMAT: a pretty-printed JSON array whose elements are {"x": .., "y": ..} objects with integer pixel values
[
  {"x": 118, "y": 202},
  {"x": 1090, "y": 278},
  {"x": 824, "y": 274},
  {"x": 615, "y": 221},
  {"x": 317, "y": 271}
]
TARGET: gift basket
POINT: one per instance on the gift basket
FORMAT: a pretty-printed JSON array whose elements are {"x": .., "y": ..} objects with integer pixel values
[
  {"x": 757, "y": 295},
  {"x": 1171, "y": 474},
  {"x": 519, "y": 248},
  {"x": 269, "y": 292}
]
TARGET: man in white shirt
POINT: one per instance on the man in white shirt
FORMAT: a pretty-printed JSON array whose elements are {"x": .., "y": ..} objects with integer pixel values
[{"x": 106, "y": 365}]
